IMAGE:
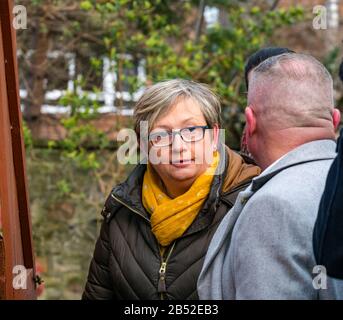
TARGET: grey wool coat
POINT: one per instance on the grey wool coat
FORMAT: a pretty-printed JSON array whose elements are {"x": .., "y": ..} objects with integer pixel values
[{"x": 263, "y": 247}]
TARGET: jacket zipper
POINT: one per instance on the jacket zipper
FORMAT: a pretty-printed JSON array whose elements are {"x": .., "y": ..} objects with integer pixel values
[
  {"x": 162, "y": 289},
  {"x": 162, "y": 272},
  {"x": 127, "y": 206}
]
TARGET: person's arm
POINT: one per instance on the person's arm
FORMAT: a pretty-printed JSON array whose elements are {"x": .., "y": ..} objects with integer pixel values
[
  {"x": 98, "y": 286},
  {"x": 328, "y": 231},
  {"x": 270, "y": 253}
]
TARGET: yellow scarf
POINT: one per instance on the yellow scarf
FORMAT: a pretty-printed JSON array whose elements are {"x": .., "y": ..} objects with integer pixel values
[{"x": 170, "y": 218}]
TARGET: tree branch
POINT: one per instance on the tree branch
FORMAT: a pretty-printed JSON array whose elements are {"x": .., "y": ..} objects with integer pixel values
[{"x": 199, "y": 20}]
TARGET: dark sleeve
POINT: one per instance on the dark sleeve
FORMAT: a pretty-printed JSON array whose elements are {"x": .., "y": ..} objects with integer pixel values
[
  {"x": 98, "y": 286},
  {"x": 328, "y": 231}
]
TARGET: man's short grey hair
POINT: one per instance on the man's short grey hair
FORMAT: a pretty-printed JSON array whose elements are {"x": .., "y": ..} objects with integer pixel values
[
  {"x": 292, "y": 90},
  {"x": 157, "y": 100}
]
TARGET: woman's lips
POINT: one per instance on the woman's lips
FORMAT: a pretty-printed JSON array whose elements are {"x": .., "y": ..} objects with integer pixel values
[{"x": 181, "y": 163}]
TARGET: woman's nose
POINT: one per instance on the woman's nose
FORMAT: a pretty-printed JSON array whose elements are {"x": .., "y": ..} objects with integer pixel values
[{"x": 178, "y": 144}]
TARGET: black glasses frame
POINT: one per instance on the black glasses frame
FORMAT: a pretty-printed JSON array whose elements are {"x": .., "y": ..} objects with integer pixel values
[{"x": 179, "y": 132}]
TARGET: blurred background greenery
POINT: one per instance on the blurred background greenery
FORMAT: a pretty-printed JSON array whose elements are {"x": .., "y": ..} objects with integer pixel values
[{"x": 82, "y": 66}]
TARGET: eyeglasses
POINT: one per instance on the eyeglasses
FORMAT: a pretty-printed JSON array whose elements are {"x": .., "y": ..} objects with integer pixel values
[{"x": 166, "y": 138}]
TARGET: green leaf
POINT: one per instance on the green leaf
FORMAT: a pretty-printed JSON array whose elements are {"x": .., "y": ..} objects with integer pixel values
[{"x": 86, "y": 5}]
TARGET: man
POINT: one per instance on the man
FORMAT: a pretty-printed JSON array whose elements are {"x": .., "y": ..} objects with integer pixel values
[
  {"x": 253, "y": 61},
  {"x": 328, "y": 231},
  {"x": 291, "y": 125}
]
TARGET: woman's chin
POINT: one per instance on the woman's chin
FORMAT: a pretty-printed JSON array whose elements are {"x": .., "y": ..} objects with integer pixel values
[{"x": 183, "y": 173}]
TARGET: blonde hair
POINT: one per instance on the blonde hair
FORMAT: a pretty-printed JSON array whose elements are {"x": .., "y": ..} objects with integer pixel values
[{"x": 157, "y": 100}]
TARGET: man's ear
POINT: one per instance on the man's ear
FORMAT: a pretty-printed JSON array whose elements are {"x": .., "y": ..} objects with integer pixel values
[
  {"x": 336, "y": 116},
  {"x": 250, "y": 120}
]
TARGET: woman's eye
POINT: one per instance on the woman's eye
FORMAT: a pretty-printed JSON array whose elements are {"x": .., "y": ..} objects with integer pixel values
[
  {"x": 191, "y": 130},
  {"x": 159, "y": 136},
  {"x": 162, "y": 134}
]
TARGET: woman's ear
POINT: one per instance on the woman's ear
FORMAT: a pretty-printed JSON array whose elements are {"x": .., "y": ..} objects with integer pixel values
[{"x": 250, "y": 120}]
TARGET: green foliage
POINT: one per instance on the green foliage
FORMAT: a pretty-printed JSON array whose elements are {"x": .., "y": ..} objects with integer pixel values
[
  {"x": 27, "y": 136},
  {"x": 161, "y": 33},
  {"x": 332, "y": 61},
  {"x": 81, "y": 134},
  {"x": 66, "y": 201},
  {"x": 86, "y": 5},
  {"x": 63, "y": 187}
]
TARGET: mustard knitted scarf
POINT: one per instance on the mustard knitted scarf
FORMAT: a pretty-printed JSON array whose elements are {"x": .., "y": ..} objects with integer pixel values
[{"x": 170, "y": 218}]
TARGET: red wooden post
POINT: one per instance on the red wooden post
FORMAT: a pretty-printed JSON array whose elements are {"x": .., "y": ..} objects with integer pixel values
[{"x": 16, "y": 247}]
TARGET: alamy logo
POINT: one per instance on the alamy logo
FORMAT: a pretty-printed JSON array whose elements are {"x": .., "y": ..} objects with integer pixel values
[
  {"x": 320, "y": 20},
  {"x": 320, "y": 280},
  {"x": 20, "y": 277},
  {"x": 20, "y": 17}
]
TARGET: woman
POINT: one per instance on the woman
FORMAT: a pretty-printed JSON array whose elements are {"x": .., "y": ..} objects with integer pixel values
[{"x": 159, "y": 222}]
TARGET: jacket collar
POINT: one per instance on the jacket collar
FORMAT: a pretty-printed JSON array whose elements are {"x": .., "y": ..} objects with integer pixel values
[{"x": 308, "y": 152}]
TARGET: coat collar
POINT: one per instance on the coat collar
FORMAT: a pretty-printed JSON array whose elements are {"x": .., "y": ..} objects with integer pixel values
[{"x": 308, "y": 152}]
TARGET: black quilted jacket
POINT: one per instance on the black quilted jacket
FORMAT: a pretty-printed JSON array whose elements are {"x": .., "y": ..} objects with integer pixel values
[{"x": 127, "y": 263}]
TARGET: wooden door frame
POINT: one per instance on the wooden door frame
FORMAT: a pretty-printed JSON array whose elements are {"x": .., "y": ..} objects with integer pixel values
[{"x": 14, "y": 200}]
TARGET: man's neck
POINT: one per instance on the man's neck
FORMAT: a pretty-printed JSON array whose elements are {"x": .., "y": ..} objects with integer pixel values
[{"x": 283, "y": 141}]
